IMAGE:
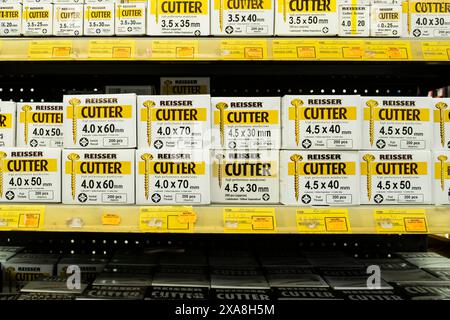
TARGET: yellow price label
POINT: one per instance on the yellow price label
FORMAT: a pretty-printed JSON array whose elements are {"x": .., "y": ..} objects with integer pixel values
[
  {"x": 328, "y": 220},
  {"x": 249, "y": 220},
  {"x": 340, "y": 50},
  {"x": 387, "y": 50},
  {"x": 400, "y": 221},
  {"x": 22, "y": 217},
  {"x": 243, "y": 49},
  {"x": 44, "y": 49},
  {"x": 294, "y": 49},
  {"x": 111, "y": 49},
  {"x": 111, "y": 219},
  {"x": 167, "y": 219},
  {"x": 174, "y": 49},
  {"x": 436, "y": 50}
]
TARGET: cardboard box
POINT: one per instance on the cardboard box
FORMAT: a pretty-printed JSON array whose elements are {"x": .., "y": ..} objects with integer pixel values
[
  {"x": 139, "y": 90},
  {"x": 131, "y": 19},
  {"x": 37, "y": 19},
  {"x": 10, "y": 19},
  {"x": 246, "y": 123},
  {"x": 98, "y": 176},
  {"x": 249, "y": 176},
  {"x": 99, "y": 19},
  {"x": 386, "y": 21},
  {"x": 23, "y": 268},
  {"x": 40, "y": 124},
  {"x": 176, "y": 293},
  {"x": 319, "y": 122},
  {"x": 90, "y": 266},
  {"x": 427, "y": 18},
  {"x": 178, "y": 18},
  {"x": 184, "y": 85},
  {"x": 7, "y": 124},
  {"x": 174, "y": 122},
  {"x": 101, "y": 121},
  {"x": 397, "y": 123},
  {"x": 68, "y": 19},
  {"x": 354, "y": 19},
  {"x": 30, "y": 175},
  {"x": 441, "y": 123},
  {"x": 441, "y": 177},
  {"x": 319, "y": 178},
  {"x": 395, "y": 177},
  {"x": 242, "y": 18},
  {"x": 172, "y": 177},
  {"x": 306, "y": 18}
]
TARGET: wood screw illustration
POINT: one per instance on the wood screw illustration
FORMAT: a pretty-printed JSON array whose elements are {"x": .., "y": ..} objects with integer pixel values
[
  {"x": 284, "y": 10},
  {"x": 441, "y": 106},
  {"x": 442, "y": 158},
  {"x": 26, "y": 109},
  {"x": 220, "y": 157},
  {"x": 74, "y": 102},
  {"x": 371, "y": 104},
  {"x": 147, "y": 157},
  {"x": 149, "y": 105},
  {"x": 368, "y": 158},
  {"x": 296, "y": 158},
  {"x": 297, "y": 103},
  {"x": 73, "y": 157},
  {"x": 2, "y": 156},
  {"x": 221, "y": 106}
]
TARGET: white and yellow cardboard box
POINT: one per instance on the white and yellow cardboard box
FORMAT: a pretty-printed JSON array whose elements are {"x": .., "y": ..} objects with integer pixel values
[
  {"x": 40, "y": 124},
  {"x": 172, "y": 177},
  {"x": 68, "y": 19},
  {"x": 440, "y": 162},
  {"x": 242, "y": 17},
  {"x": 100, "y": 121},
  {"x": 321, "y": 122},
  {"x": 396, "y": 177},
  {"x": 306, "y": 17},
  {"x": 7, "y": 124},
  {"x": 387, "y": 20},
  {"x": 99, "y": 19},
  {"x": 181, "y": 18},
  {"x": 249, "y": 176},
  {"x": 427, "y": 18},
  {"x": 441, "y": 123},
  {"x": 37, "y": 19},
  {"x": 354, "y": 18},
  {"x": 98, "y": 176},
  {"x": 131, "y": 19},
  {"x": 397, "y": 123},
  {"x": 174, "y": 122},
  {"x": 319, "y": 178},
  {"x": 10, "y": 19},
  {"x": 30, "y": 175},
  {"x": 184, "y": 85},
  {"x": 246, "y": 123}
]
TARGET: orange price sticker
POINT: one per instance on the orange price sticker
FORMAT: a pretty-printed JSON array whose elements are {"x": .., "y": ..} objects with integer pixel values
[
  {"x": 306, "y": 52},
  {"x": 111, "y": 219},
  {"x": 416, "y": 225}
]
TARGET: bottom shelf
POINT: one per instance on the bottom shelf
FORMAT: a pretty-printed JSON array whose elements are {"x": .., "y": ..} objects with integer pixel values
[
  {"x": 227, "y": 219},
  {"x": 220, "y": 274}
]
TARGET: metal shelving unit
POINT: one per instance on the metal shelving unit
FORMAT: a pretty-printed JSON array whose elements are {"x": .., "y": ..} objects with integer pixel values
[
  {"x": 211, "y": 49},
  {"x": 44, "y": 69}
]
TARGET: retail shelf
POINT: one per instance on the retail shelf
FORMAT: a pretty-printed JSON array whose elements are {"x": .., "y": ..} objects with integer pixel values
[
  {"x": 188, "y": 49},
  {"x": 211, "y": 219}
]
